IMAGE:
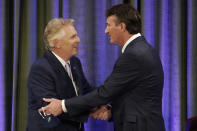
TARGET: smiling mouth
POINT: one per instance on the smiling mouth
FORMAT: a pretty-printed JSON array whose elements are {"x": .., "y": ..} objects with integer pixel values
[{"x": 75, "y": 47}]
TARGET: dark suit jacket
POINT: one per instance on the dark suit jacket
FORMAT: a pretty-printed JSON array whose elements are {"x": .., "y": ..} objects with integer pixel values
[
  {"x": 134, "y": 87},
  {"x": 49, "y": 79}
]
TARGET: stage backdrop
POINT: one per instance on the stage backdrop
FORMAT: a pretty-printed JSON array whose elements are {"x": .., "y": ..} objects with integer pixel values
[{"x": 169, "y": 25}]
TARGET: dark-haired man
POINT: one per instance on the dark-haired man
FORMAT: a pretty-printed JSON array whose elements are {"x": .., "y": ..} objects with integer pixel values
[{"x": 135, "y": 84}]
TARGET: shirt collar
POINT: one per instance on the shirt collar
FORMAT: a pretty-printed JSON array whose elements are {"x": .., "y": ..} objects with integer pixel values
[
  {"x": 129, "y": 41},
  {"x": 62, "y": 61}
]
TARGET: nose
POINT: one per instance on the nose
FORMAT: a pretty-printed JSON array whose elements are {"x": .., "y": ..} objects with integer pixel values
[
  {"x": 106, "y": 30},
  {"x": 78, "y": 39}
]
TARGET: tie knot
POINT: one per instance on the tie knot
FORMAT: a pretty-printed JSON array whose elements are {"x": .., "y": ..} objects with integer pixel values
[{"x": 68, "y": 63}]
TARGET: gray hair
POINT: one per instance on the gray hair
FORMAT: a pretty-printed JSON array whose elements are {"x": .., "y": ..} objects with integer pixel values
[{"x": 54, "y": 30}]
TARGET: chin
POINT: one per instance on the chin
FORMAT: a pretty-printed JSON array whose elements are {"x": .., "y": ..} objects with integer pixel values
[
  {"x": 75, "y": 53},
  {"x": 112, "y": 42}
]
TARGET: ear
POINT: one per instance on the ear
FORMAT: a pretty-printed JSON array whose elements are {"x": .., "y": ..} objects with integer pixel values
[
  {"x": 56, "y": 43},
  {"x": 123, "y": 26}
]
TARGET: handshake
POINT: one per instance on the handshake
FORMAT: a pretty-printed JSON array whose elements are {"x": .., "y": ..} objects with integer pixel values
[
  {"x": 55, "y": 108},
  {"x": 101, "y": 113}
]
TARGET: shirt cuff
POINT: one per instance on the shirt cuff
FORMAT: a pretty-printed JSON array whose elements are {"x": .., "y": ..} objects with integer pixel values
[
  {"x": 109, "y": 106},
  {"x": 64, "y": 107}
]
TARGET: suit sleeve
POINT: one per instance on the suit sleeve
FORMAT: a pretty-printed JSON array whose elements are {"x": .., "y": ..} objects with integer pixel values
[
  {"x": 40, "y": 85},
  {"x": 125, "y": 72}
]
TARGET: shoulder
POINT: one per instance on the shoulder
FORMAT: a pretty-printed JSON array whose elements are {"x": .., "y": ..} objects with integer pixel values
[
  {"x": 40, "y": 65},
  {"x": 141, "y": 51},
  {"x": 42, "y": 61},
  {"x": 138, "y": 47}
]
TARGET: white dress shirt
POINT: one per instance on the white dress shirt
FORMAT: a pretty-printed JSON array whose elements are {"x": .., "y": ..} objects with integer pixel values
[{"x": 129, "y": 40}]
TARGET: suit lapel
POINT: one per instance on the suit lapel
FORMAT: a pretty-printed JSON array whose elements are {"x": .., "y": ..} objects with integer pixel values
[
  {"x": 56, "y": 65},
  {"x": 75, "y": 73},
  {"x": 60, "y": 71}
]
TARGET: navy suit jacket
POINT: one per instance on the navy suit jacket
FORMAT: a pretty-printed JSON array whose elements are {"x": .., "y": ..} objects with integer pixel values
[
  {"x": 134, "y": 87},
  {"x": 49, "y": 79}
]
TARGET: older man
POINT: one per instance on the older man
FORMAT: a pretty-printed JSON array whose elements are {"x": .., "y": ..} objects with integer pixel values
[{"x": 56, "y": 74}]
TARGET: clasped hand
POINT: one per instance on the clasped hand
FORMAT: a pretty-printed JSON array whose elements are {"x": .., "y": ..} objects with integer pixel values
[
  {"x": 101, "y": 113},
  {"x": 54, "y": 107}
]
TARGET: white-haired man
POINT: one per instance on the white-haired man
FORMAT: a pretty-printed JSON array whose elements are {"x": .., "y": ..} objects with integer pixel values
[{"x": 56, "y": 74}]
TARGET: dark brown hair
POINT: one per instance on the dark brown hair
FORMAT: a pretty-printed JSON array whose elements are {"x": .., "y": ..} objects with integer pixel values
[{"x": 127, "y": 14}]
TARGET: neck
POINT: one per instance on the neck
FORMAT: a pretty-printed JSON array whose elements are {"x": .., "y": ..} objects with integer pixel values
[
  {"x": 125, "y": 38},
  {"x": 64, "y": 56}
]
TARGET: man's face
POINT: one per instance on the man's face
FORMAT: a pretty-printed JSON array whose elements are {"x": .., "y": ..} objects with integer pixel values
[
  {"x": 113, "y": 30},
  {"x": 69, "y": 42}
]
